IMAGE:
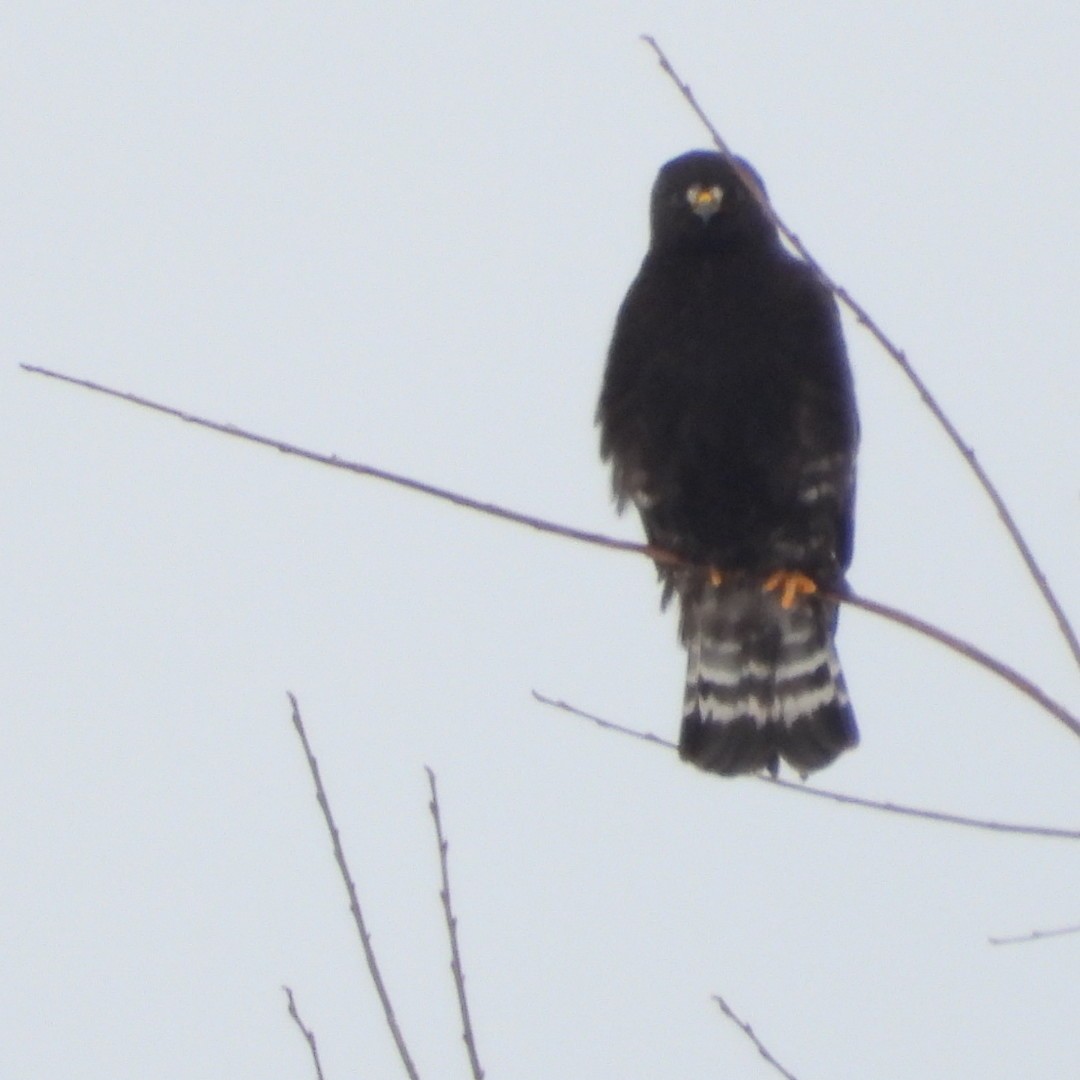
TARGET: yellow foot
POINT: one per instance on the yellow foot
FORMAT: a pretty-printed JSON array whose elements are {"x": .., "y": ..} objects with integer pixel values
[
  {"x": 716, "y": 577},
  {"x": 791, "y": 584}
]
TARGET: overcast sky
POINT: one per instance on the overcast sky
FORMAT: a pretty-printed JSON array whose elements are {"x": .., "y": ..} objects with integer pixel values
[{"x": 400, "y": 233}]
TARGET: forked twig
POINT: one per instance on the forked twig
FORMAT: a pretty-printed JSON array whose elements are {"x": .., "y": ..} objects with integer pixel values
[
  {"x": 1035, "y": 935},
  {"x": 451, "y": 929},
  {"x": 1025, "y": 686},
  {"x": 748, "y": 1031},
  {"x": 305, "y": 1031},
  {"x": 861, "y": 314},
  {"x": 354, "y": 900},
  {"x": 821, "y": 793}
]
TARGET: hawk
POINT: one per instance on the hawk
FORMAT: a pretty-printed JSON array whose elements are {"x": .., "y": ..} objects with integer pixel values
[{"x": 728, "y": 415}]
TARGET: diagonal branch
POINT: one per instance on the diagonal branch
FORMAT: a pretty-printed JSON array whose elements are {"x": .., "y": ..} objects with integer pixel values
[
  {"x": 748, "y": 1031},
  {"x": 965, "y": 648},
  {"x": 354, "y": 901},
  {"x": 308, "y": 1034},
  {"x": 1025, "y": 686},
  {"x": 862, "y": 316},
  {"x": 821, "y": 793},
  {"x": 334, "y": 462},
  {"x": 451, "y": 929}
]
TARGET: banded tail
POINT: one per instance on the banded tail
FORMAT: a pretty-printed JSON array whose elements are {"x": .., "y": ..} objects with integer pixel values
[{"x": 763, "y": 682}]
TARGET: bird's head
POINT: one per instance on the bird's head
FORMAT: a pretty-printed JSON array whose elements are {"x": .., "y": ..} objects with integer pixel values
[{"x": 704, "y": 198}]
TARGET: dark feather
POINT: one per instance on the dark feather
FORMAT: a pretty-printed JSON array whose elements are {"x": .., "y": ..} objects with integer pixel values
[{"x": 728, "y": 415}]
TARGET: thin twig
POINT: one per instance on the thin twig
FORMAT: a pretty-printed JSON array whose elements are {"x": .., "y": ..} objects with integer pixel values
[
  {"x": 354, "y": 901},
  {"x": 1035, "y": 935},
  {"x": 966, "y": 649},
  {"x": 334, "y": 462},
  {"x": 862, "y": 316},
  {"x": 607, "y": 725},
  {"x": 305, "y": 1031},
  {"x": 1025, "y": 686},
  {"x": 748, "y": 1031},
  {"x": 821, "y": 793},
  {"x": 451, "y": 928}
]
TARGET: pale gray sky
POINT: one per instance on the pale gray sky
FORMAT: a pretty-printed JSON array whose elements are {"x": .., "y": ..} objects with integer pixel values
[{"x": 400, "y": 233}]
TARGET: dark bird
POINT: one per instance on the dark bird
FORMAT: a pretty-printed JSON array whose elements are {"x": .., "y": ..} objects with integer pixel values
[{"x": 728, "y": 415}]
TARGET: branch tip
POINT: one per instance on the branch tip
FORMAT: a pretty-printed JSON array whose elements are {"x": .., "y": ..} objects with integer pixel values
[
  {"x": 354, "y": 899},
  {"x": 451, "y": 928}
]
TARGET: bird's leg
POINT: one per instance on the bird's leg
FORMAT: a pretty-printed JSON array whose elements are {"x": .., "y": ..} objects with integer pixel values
[
  {"x": 716, "y": 577},
  {"x": 791, "y": 584}
]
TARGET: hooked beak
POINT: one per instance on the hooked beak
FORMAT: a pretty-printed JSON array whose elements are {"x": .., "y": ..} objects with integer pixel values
[{"x": 704, "y": 201}]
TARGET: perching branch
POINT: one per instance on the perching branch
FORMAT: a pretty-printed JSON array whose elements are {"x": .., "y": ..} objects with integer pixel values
[
  {"x": 1022, "y": 684},
  {"x": 334, "y": 462},
  {"x": 862, "y": 316},
  {"x": 821, "y": 793},
  {"x": 748, "y": 1031},
  {"x": 1035, "y": 935},
  {"x": 354, "y": 901},
  {"x": 1025, "y": 686},
  {"x": 451, "y": 929},
  {"x": 306, "y": 1032}
]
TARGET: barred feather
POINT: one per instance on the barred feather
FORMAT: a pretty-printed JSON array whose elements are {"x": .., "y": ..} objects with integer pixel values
[{"x": 762, "y": 682}]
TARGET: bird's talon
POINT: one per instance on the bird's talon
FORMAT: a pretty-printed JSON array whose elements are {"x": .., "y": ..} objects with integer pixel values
[
  {"x": 791, "y": 584},
  {"x": 716, "y": 577}
]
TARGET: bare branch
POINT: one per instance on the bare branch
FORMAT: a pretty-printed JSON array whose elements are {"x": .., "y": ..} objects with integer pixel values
[
  {"x": 835, "y": 796},
  {"x": 354, "y": 901},
  {"x": 965, "y": 648},
  {"x": 451, "y": 929},
  {"x": 1025, "y": 686},
  {"x": 305, "y": 1031},
  {"x": 607, "y": 725},
  {"x": 684, "y": 89},
  {"x": 748, "y": 1031},
  {"x": 334, "y": 462},
  {"x": 1035, "y": 935},
  {"x": 862, "y": 316}
]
